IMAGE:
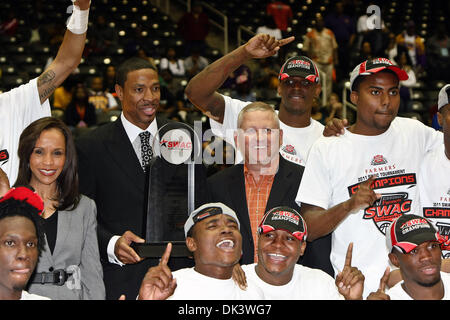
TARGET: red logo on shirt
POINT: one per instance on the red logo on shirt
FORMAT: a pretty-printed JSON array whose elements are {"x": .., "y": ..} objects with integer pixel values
[
  {"x": 289, "y": 149},
  {"x": 444, "y": 235},
  {"x": 4, "y": 155},
  {"x": 378, "y": 160},
  {"x": 390, "y": 205}
]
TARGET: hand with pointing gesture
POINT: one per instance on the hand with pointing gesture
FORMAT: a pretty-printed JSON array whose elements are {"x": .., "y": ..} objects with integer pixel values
[
  {"x": 364, "y": 197},
  {"x": 124, "y": 252},
  {"x": 158, "y": 283},
  {"x": 350, "y": 281},
  {"x": 264, "y": 45},
  {"x": 335, "y": 127},
  {"x": 379, "y": 294}
]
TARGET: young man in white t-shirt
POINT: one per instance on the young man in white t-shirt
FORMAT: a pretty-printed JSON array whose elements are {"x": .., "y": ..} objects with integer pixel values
[
  {"x": 298, "y": 87},
  {"x": 212, "y": 234},
  {"x": 434, "y": 184},
  {"x": 414, "y": 246},
  {"x": 281, "y": 241},
  {"x": 21, "y": 106},
  {"x": 355, "y": 184}
]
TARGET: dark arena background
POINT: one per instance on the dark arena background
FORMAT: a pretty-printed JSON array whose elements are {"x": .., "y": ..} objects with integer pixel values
[{"x": 31, "y": 32}]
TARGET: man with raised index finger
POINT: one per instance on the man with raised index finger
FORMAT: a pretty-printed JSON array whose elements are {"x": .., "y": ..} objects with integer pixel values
[
  {"x": 282, "y": 235},
  {"x": 355, "y": 184},
  {"x": 212, "y": 235}
]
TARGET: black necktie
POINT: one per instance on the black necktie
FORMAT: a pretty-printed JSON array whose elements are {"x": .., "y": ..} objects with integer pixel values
[{"x": 146, "y": 149}]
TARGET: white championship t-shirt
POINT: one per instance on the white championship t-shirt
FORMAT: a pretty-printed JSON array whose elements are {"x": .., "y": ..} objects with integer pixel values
[
  {"x": 18, "y": 108},
  {"x": 398, "y": 293},
  {"x": 192, "y": 285},
  {"x": 306, "y": 284},
  {"x": 434, "y": 190},
  {"x": 336, "y": 166},
  {"x": 296, "y": 141}
]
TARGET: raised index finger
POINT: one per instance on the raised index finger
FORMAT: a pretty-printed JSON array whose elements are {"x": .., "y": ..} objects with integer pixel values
[
  {"x": 348, "y": 256},
  {"x": 384, "y": 280},
  {"x": 285, "y": 41},
  {"x": 166, "y": 255},
  {"x": 369, "y": 182}
]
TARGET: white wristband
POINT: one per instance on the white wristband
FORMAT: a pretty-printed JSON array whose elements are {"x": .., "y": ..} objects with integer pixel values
[{"x": 78, "y": 21}]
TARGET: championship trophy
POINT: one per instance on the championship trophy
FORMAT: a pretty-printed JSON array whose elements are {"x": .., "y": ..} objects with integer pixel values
[{"x": 176, "y": 186}]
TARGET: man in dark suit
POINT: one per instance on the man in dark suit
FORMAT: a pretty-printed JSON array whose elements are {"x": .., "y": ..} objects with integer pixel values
[
  {"x": 113, "y": 169},
  {"x": 263, "y": 181}
]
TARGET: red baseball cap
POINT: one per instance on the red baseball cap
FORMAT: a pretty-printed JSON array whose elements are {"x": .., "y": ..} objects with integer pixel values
[{"x": 373, "y": 66}]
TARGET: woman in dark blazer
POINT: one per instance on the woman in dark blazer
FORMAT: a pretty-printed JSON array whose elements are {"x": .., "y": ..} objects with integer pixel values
[{"x": 69, "y": 267}]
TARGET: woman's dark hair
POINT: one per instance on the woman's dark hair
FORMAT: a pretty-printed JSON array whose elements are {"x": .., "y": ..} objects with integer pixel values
[
  {"x": 68, "y": 195},
  {"x": 131, "y": 65},
  {"x": 19, "y": 208}
]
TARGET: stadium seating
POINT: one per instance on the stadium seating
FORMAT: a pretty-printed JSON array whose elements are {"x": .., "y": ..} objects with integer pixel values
[{"x": 139, "y": 23}]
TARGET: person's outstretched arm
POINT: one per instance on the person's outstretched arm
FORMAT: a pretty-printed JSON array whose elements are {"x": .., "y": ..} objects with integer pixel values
[
  {"x": 321, "y": 222},
  {"x": 69, "y": 53},
  {"x": 201, "y": 89}
]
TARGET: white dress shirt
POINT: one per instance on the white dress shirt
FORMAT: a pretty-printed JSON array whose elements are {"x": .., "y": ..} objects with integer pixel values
[{"x": 133, "y": 134}]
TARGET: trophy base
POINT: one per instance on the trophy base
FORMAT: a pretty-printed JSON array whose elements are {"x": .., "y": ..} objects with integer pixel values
[{"x": 157, "y": 249}]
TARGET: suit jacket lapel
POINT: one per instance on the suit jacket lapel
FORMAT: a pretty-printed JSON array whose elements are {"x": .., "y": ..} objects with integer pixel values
[
  {"x": 64, "y": 228},
  {"x": 46, "y": 258},
  {"x": 280, "y": 186},
  {"x": 122, "y": 153}
]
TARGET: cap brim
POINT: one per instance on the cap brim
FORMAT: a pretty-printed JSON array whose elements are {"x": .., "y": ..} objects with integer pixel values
[
  {"x": 401, "y": 74},
  {"x": 407, "y": 247},
  {"x": 444, "y": 96},
  {"x": 306, "y": 75}
]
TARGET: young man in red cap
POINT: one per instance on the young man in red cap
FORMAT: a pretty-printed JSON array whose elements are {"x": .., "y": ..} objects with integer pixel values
[
  {"x": 433, "y": 183},
  {"x": 415, "y": 247},
  {"x": 355, "y": 184},
  {"x": 281, "y": 241}
]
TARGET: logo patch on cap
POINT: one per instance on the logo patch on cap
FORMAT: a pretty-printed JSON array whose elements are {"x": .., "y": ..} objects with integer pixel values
[
  {"x": 414, "y": 224},
  {"x": 208, "y": 212},
  {"x": 299, "y": 67},
  {"x": 286, "y": 215},
  {"x": 382, "y": 61},
  {"x": 286, "y": 219},
  {"x": 298, "y": 64}
]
